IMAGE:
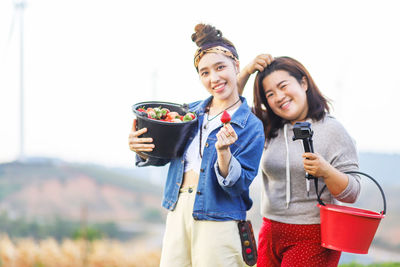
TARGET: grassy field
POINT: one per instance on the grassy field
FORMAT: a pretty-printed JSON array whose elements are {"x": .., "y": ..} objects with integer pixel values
[
  {"x": 74, "y": 253},
  {"x": 27, "y": 252}
]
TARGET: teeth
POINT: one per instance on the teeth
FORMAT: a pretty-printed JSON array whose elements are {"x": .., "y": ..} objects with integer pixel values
[
  {"x": 285, "y": 104},
  {"x": 218, "y": 86}
]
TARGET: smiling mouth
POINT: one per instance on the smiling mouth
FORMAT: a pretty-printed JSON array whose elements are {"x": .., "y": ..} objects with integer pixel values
[
  {"x": 286, "y": 104},
  {"x": 219, "y": 87}
]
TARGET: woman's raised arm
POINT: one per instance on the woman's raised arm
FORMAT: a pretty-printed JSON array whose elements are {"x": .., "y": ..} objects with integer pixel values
[{"x": 257, "y": 64}]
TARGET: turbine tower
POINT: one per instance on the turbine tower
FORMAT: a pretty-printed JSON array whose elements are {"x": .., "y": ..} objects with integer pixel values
[{"x": 19, "y": 6}]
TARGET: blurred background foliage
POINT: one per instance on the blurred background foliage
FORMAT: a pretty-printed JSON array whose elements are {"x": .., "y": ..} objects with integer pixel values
[{"x": 57, "y": 213}]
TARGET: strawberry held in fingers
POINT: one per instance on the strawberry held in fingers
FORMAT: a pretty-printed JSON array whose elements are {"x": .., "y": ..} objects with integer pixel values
[{"x": 225, "y": 118}]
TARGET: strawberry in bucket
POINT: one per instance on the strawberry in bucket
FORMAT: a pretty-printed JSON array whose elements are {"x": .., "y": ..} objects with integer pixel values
[{"x": 164, "y": 114}]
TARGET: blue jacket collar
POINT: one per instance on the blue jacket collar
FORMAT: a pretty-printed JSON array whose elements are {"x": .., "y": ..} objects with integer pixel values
[{"x": 239, "y": 118}]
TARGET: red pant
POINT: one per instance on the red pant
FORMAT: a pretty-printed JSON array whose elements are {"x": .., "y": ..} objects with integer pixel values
[{"x": 293, "y": 245}]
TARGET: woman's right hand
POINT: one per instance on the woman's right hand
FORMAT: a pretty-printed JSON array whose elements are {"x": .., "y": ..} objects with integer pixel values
[{"x": 140, "y": 144}]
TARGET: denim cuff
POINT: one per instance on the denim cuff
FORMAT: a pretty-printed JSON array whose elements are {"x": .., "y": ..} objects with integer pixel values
[{"x": 234, "y": 172}]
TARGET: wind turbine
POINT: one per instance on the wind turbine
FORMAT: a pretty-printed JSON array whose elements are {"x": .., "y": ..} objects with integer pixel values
[{"x": 19, "y": 8}]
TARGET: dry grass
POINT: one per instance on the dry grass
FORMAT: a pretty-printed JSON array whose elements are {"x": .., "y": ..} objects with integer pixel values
[{"x": 71, "y": 253}]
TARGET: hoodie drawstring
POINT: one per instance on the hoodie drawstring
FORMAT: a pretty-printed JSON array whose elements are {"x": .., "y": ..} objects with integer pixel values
[{"x": 287, "y": 167}]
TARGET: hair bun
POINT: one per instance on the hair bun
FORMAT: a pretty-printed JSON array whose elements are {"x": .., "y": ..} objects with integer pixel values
[{"x": 205, "y": 33}]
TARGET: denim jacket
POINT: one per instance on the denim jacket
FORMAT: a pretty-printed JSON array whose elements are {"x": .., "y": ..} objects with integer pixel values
[{"x": 218, "y": 198}]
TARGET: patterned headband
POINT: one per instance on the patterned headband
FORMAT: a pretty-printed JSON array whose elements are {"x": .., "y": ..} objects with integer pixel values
[{"x": 214, "y": 49}]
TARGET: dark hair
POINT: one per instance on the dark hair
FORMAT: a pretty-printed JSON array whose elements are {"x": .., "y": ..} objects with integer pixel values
[
  {"x": 208, "y": 35},
  {"x": 317, "y": 103}
]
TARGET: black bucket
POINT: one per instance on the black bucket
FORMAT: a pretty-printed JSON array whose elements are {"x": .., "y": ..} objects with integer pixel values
[{"x": 169, "y": 138}]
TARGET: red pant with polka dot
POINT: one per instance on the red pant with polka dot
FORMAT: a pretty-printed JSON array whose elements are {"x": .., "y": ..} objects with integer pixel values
[{"x": 293, "y": 245}]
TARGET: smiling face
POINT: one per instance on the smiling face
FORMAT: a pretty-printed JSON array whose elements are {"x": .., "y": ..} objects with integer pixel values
[
  {"x": 286, "y": 96},
  {"x": 218, "y": 75}
]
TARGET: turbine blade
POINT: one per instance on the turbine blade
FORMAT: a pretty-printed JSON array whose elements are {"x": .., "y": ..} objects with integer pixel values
[{"x": 11, "y": 31}]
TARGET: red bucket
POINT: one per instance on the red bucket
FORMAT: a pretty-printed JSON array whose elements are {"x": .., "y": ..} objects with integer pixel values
[{"x": 349, "y": 229}]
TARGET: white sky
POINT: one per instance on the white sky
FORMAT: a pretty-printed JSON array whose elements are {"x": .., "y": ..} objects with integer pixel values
[{"x": 88, "y": 61}]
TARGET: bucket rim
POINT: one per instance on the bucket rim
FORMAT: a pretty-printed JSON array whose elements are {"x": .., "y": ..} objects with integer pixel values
[
  {"x": 143, "y": 115},
  {"x": 352, "y": 211},
  {"x": 366, "y": 175},
  {"x": 352, "y": 250},
  {"x": 158, "y": 102}
]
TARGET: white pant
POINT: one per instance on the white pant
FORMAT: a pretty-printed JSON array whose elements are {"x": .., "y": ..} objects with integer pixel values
[{"x": 188, "y": 242}]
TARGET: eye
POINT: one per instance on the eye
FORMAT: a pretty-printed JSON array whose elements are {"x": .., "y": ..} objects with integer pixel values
[
  {"x": 220, "y": 67},
  {"x": 269, "y": 94},
  {"x": 204, "y": 73}
]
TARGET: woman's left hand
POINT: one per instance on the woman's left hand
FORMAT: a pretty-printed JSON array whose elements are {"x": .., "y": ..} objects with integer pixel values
[
  {"x": 225, "y": 137},
  {"x": 316, "y": 165}
]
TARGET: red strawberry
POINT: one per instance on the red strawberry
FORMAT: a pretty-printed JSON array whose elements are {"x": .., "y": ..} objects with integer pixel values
[
  {"x": 173, "y": 115},
  {"x": 188, "y": 117},
  {"x": 225, "y": 118},
  {"x": 164, "y": 112},
  {"x": 151, "y": 114}
]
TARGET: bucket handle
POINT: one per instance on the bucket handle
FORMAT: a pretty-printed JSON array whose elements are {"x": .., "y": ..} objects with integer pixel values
[{"x": 357, "y": 172}]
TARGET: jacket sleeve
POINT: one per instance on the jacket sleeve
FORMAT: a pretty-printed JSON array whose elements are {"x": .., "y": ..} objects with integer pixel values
[{"x": 244, "y": 164}]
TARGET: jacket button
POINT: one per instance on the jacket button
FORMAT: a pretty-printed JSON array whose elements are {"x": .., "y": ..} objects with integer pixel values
[
  {"x": 198, "y": 192},
  {"x": 206, "y": 144},
  {"x": 201, "y": 170}
]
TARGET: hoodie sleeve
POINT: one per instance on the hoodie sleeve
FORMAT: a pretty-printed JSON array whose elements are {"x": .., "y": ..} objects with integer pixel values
[{"x": 344, "y": 157}]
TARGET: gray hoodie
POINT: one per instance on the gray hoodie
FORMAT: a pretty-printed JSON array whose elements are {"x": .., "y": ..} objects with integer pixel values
[{"x": 284, "y": 195}]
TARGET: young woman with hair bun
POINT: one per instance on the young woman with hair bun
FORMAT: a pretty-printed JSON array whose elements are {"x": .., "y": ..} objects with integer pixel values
[{"x": 207, "y": 189}]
